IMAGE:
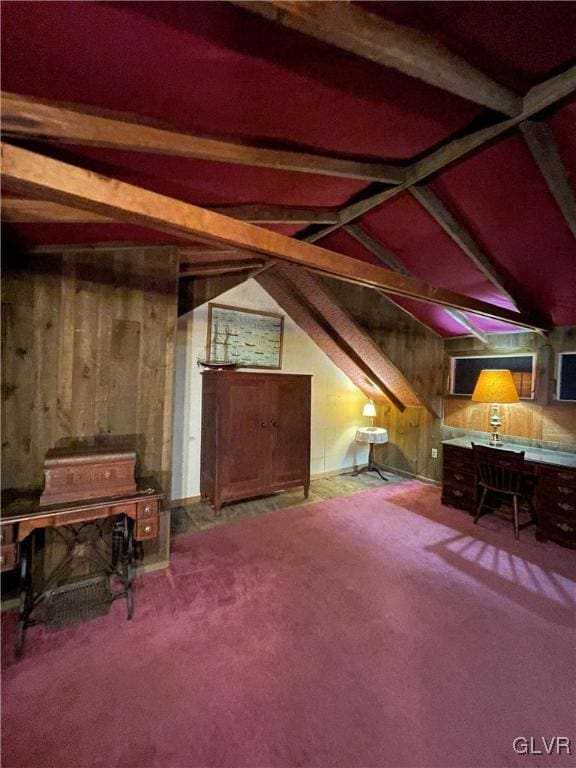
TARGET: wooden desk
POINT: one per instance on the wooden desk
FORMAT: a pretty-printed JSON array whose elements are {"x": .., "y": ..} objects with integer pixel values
[
  {"x": 137, "y": 519},
  {"x": 552, "y": 472}
]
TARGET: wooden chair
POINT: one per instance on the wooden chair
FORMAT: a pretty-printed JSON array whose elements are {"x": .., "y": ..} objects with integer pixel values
[{"x": 503, "y": 474}]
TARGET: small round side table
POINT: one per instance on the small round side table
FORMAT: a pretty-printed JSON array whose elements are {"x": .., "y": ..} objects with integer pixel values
[{"x": 371, "y": 435}]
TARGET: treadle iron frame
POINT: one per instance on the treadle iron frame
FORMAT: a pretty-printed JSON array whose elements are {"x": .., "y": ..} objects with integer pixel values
[{"x": 59, "y": 601}]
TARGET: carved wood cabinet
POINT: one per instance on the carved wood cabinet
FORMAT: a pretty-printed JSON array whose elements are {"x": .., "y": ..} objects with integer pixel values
[{"x": 255, "y": 434}]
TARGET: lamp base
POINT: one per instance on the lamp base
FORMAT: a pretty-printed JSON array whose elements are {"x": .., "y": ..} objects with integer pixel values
[{"x": 495, "y": 424}]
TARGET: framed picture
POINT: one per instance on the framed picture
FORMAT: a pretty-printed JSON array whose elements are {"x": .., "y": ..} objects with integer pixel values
[{"x": 249, "y": 338}]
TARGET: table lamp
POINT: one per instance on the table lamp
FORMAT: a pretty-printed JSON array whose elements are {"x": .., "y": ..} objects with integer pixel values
[
  {"x": 495, "y": 386},
  {"x": 370, "y": 410}
]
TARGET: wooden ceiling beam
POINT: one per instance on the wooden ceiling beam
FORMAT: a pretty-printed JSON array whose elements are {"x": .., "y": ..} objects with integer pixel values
[
  {"x": 463, "y": 239},
  {"x": 376, "y": 249},
  {"x": 352, "y": 338},
  {"x": 206, "y": 269},
  {"x": 28, "y": 173},
  {"x": 348, "y": 360},
  {"x": 464, "y": 321},
  {"x": 347, "y": 26},
  {"x": 19, "y": 210},
  {"x": 538, "y": 98},
  {"x": 41, "y": 120},
  {"x": 27, "y": 211},
  {"x": 277, "y": 214},
  {"x": 390, "y": 260},
  {"x": 542, "y": 146}
]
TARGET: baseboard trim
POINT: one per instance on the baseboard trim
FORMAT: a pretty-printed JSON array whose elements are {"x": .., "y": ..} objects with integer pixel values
[
  {"x": 334, "y": 472},
  {"x": 7, "y": 605},
  {"x": 412, "y": 475},
  {"x": 323, "y": 475},
  {"x": 185, "y": 502},
  {"x": 151, "y": 567}
]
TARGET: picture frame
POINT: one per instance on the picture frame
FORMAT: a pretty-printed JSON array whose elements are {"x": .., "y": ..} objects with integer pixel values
[{"x": 248, "y": 338}]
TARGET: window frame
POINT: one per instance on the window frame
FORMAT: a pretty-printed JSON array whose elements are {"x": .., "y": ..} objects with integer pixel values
[
  {"x": 452, "y": 378},
  {"x": 559, "y": 356}
]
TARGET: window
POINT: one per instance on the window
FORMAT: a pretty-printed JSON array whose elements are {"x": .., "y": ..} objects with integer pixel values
[
  {"x": 465, "y": 371},
  {"x": 566, "y": 381}
]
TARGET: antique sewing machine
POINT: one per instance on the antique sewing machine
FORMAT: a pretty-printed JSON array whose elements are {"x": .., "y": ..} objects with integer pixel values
[{"x": 97, "y": 511}]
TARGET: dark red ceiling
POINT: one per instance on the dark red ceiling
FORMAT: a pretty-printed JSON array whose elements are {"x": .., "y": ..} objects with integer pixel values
[{"x": 219, "y": 71}]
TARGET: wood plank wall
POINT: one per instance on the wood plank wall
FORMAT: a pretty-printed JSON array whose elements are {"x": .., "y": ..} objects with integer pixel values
[
  {"x": 88, "y": 351},
  {"x": 543, "y": 422},
  {"x": 419, "y": 354}
]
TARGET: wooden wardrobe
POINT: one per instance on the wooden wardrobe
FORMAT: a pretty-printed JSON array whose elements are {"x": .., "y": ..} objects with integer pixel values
[{"x": 255, "y": 434}]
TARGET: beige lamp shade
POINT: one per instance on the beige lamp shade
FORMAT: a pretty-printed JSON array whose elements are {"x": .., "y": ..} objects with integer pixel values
[
  {"x": 369, "y": 409},
  {"x": 495, "y": 386}
]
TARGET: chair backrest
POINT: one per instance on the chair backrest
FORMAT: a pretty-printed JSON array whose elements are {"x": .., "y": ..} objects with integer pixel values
[{"x": 499, "y": 470}]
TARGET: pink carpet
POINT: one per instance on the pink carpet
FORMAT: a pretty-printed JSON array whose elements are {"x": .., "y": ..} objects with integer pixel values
[{"x": 380, "y": 630}]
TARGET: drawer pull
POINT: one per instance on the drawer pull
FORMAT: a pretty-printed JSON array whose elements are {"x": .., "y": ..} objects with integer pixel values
[
  {"x": 566, "y": 507},
  {"x": 146, "y": 510},
  {"x": 147, "y": 529},
  {"x": 564, "y": 476},
  {"x": 459, "y": 477},
  {"x": 456, "y": 492},
  {"x": 564, "y": 527},
  {"x": 566, "y": 491}
]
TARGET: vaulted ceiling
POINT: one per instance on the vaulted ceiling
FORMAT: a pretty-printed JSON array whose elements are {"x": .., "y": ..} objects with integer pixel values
[{"x": 437, "y": 139}]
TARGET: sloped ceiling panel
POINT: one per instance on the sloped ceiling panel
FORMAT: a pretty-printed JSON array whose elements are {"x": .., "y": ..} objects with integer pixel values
[
  {"x": 215, "y": 69},
  {"x": 505, "y": 202},
  {"x": 430, "y": 315}
]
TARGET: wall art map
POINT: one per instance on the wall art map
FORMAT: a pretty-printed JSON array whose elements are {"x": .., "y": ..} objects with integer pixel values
[{"x": 249, "y": 338}]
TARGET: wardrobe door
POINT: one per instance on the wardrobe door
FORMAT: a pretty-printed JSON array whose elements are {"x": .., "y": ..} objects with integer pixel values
[
  {"x": 244, "y": 437},
  {"x": 289, "y": 400}
]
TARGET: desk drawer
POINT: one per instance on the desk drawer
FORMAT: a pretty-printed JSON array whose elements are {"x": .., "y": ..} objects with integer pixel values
[
  {"x": 562, "y": 531},
  {"x": 8, "y": 557},
  {"x": 554, "y": 507},
  {"x": 460, "y": 497},
  {"x": 462, "y": 478},
  {"x": 8, "y": 534},
  {"x": 557, "y": 490},
  {"x": 558, "y": 475},
  {"x": 147, "y": 509},
  {"x": 146, "y": 528},
  {"x": 458, "y": 458}
]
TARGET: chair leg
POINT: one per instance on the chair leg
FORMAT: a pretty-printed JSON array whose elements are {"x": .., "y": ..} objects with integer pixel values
[
  {"x": 516, "y": 520},
  {"x": 480, "y": 505}
]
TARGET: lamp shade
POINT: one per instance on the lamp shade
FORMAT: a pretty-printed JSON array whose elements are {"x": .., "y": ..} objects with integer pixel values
[
  {"x": 369, "y": 409},
  {"x": 495, "y": 386}
]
